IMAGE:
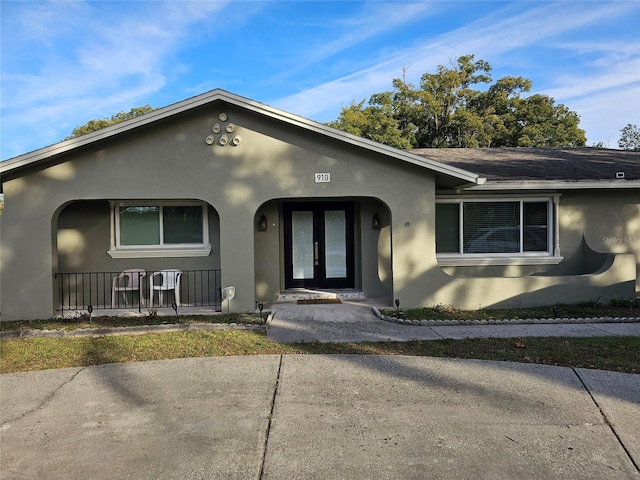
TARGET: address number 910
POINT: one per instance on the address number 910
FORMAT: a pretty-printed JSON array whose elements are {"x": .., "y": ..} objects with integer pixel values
[{"x": 323, "y": 177}]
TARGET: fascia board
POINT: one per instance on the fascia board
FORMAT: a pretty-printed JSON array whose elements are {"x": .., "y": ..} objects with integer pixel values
[
  {"x": 556, "y": 185},
  {"x": 260, "y": 108}
]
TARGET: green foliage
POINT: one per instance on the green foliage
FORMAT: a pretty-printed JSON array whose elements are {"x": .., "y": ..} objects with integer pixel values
[
  {"x": 94, "y": 125},
  {"x": 630, "y": 138},
  {"x": 377, "y": 124},
  {"x": 593, "y": 309},
  {"x": 446, "y": 110}
]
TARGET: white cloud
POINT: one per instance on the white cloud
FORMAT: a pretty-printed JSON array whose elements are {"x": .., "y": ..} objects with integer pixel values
[
  {"x": 604, "y": 114},
  {"x": 372, "y": 22},
  {"x": 495, "y": 37},
  {"x": 87, "y": 60},
  {"x": 66, "y": 62},
  {"x": 622, "y": 73}
]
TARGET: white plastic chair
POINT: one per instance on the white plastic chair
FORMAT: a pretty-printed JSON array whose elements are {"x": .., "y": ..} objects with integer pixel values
[
  {"x": 170, "y": 281},
  {"x": 128, "y": 281}
]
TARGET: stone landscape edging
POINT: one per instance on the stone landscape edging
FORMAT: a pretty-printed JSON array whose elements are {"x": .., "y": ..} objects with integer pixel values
[
  {"x": 514, "y": 321},
  {"x": 141, "y": 329}
]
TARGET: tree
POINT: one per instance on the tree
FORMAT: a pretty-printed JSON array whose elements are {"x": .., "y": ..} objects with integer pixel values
[
  {"x": 630, "y": 138},
  {"x": 377, "y": 124},
  {"x": 448, "y": 110},
  {"x": 538, "y": 122},
  {"x": 94, "y": 125}
]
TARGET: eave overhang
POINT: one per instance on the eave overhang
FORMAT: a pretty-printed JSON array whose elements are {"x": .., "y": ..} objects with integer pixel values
[{"x": 555, "y": 185}]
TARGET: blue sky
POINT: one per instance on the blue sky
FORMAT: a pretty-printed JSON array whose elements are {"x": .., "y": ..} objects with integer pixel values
[{"x": 66, "y": 62}]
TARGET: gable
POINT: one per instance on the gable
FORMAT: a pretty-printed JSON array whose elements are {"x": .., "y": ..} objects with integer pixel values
[{"x": 448, "y": 175}]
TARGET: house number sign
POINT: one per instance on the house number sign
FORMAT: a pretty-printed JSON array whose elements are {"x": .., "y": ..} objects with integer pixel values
[{"x": 323, "y": 177}]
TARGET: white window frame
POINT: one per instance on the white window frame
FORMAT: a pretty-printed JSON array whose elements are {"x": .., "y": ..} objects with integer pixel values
[
  {"x": 550, "y": 257},
  {"x": 116, "y": 250}
]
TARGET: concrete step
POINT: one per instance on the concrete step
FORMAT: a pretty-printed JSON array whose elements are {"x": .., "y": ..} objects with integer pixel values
[{"x": 295, "y": 294}]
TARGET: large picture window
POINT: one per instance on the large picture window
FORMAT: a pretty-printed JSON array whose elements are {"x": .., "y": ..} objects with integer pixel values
[
  {"x": 159, "y": 229},
  {"x": 494, "y": 227}
]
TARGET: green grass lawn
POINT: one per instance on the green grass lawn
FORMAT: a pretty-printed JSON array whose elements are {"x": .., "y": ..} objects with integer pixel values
[
  {"x": 620, "y": 354},
  {"x": 615, "y": 308}
]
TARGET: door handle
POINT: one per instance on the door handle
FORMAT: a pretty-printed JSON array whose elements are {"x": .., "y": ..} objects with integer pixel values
[{"x": 315, "y": 253}]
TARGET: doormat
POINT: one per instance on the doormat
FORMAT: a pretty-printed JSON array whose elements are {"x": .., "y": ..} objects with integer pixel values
[{"x": 318, "y": 301}]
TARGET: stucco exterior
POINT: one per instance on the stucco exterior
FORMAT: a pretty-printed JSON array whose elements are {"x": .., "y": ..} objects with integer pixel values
[{"x": 57, "y": 214}]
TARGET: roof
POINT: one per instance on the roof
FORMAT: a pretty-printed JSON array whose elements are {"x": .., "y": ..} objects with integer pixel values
[
  {"x": 578, "y": 167},
  {"x": 15, "y": 167}
]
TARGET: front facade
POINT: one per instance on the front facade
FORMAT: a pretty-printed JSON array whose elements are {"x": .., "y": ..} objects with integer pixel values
[{"x": 230, "y": 192}]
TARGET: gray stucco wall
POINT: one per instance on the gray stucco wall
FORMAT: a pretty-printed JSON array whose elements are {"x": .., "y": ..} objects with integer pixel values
[
  {"x": 609, "y": 222},
  {"x": 273, "y": 162},
  {"x": 173, "y": 161},
  {"x": 267, "y": 252}
]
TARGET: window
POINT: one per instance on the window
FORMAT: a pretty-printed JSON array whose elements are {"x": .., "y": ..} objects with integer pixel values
[
  {"x": 154, "y": 229},
  {"x": 494, "y": 228}
]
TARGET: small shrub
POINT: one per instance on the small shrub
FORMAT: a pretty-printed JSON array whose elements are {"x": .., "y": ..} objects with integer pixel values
[
  {"x": 630, "y": 303},
  {"x": 441, "y": 307}
]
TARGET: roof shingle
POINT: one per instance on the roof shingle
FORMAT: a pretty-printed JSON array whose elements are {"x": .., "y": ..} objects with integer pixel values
[{"x": 539, "y": 164}]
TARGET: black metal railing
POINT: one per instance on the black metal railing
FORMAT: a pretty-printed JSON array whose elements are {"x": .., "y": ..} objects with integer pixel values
[{"x": 100, "y": 290}]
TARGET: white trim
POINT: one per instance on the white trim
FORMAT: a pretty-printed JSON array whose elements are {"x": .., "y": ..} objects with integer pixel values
[
  {"x": 157, "y": 251},
  {"x": 556, "y": 224},
  {"x": 495, "y": 197},
  {"x": 161, "y": 252},
  {"x": 522, "y": 258},
  {"x": 447, "y": 260},
  {"x": 498, "y": 185}
]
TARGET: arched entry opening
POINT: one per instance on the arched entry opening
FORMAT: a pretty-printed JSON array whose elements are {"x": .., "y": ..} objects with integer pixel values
[
  {"x": 95, "y": 241},
  {"x": 323, "y": 243}
]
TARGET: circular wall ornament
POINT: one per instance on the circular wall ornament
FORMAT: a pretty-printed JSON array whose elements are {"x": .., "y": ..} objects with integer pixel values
[{"x": 222, "y": 117}]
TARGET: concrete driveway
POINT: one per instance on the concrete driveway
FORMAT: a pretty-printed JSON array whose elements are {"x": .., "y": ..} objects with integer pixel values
[{"x": 319, "y": 417}]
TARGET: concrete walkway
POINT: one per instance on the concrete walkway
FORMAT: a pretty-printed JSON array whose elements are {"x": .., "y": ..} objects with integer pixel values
[
  {"x": 355, "y": 322},
  {"x": 319, "y": 417}
]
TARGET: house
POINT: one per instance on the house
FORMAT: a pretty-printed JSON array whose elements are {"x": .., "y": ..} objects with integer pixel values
[{"x": 226, "y": 191}]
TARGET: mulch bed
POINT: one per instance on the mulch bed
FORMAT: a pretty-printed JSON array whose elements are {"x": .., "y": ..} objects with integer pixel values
[{"x": 318, "y": 301}]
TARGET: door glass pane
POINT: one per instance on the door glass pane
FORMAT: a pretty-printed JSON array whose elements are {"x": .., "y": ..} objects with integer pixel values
[
  {"x": 139, "y": 225},
  {"x": 182, "y": 224},
  {"x": 335, "y": 246},
  {"x": 302, "y": 244}
]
